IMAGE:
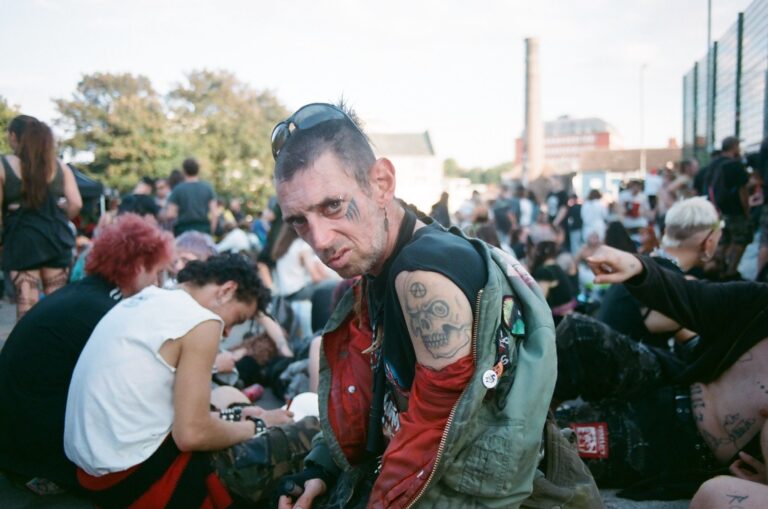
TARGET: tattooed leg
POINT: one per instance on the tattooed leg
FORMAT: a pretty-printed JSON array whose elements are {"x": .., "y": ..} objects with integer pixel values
[
  {"x": 53, "y": 279},
  {"x": 27, "y": 284}
]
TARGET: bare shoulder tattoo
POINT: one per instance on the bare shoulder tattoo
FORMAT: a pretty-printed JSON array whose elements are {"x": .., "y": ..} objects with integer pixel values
[{"x": 435, "y": 320}]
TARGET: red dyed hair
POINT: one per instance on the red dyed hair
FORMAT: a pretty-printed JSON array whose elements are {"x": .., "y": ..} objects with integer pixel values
[{"x": 126, "y": 246}]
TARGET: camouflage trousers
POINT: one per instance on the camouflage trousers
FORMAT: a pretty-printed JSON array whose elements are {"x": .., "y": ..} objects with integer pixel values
[
  {"x": 634, "y": 423},
  {"x": 251, "y": 470}
]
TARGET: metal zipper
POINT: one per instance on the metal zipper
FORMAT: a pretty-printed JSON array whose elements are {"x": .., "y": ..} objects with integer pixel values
[{"x": 440, "y": 447}]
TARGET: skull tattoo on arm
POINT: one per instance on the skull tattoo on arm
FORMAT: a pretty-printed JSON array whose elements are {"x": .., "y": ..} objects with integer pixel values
[{"x": 438, "y": 316}]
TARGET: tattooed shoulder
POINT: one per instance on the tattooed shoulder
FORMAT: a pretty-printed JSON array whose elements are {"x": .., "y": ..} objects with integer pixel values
[{"x": 438, "y": 317}]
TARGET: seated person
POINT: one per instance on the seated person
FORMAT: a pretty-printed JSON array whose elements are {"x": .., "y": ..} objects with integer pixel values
[
  {"x": 647, "y": 419},
  {"x": 745, "y": 489},
  {"x": 690, "y": 240},
  {"x": 138, "y": 424},
  {"x": 554, "y": 282},
  {"x": 39, "y": 356}
]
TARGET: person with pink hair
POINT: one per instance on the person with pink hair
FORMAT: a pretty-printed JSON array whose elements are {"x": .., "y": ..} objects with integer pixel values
[{"x": 39, "y": 356}]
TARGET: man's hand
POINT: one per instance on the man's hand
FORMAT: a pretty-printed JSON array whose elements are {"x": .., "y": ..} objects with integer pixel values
[
  {"x": 313, "y": 488},
  {"x": 276, "y": 417},
  {"x": 613, "y": 266},
  {"x": 748, "y": 468}
]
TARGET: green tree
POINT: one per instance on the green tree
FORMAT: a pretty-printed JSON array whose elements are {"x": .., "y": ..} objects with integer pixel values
[
  {"x": 120, "y": 118},
  {"x": 7, "y": 112},
  {"x": 226, "y": 125},
  {"x": 452, "y": 169}
]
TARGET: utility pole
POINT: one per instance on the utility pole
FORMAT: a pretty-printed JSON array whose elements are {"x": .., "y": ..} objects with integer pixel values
[{"x": 642, "y": 118}]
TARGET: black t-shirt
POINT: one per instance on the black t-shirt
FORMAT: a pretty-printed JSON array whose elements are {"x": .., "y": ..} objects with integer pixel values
[
  {"x": 574, "y": 217},
  {"x": 730, "y": 317},
  {"x": 721, "y": 181},
  {"x": 562, "y": 292},
  {"x": 624, "y": 313},
  {"x": 554, "y": 202},
  {"x": 36, "y": 366},
  {"x": 192, "y": 198}
]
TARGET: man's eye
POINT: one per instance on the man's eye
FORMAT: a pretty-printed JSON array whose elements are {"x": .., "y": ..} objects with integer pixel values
[
  {"x": 439, "y": 309},
  {"x": 334, "y": 206}
]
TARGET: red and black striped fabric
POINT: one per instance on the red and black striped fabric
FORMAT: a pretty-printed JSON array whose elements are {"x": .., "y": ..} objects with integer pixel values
[{"x": 168, "y": 479}]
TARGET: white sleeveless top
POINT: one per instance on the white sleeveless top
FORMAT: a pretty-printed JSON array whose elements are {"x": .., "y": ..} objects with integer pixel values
[{"x": 120, "y": 402}]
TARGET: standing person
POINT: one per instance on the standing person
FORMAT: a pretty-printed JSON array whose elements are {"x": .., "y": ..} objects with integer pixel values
[
  {"x": 38, "y": 358},
  {"x": 440, "y": 211},
  {"x": 555, "y": 283},
  {"x": 634, "y": 209},
  {"x": 727, "y": 188},
  {"x": 192, "y": 203},
  {"x": 528, "y": 207},
  {"x": 39, "y": 195},
  {"x": 574, "y": 222},
  {"x": 412, "y": 345},
  {"x": 594, "y": 214},
  {"x": 557, "y": 207}
]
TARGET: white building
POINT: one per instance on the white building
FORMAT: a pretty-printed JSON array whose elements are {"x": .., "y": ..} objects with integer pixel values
[{"x": 419, "y": 171}]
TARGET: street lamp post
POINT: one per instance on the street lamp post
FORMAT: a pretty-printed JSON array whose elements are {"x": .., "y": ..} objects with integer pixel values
[{"x": 642, "y": 118}]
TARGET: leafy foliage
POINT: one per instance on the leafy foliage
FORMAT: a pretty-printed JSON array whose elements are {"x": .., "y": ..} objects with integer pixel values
[
  {"x": 477, "y": 175},
  {"x": 226, "y": 125},
  {"x": 7, "y": 113},
  {"x": 121, "y": 119},
  {"x": 132, "y": 131}
]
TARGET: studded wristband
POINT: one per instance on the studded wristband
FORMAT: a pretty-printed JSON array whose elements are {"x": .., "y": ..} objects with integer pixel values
[
  {"x": 261, "y": 426},
  {"x": 231, "y": 414}
]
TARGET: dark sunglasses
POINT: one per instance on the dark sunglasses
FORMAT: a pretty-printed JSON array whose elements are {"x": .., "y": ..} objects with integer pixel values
[{"x": 305, "y": 117}]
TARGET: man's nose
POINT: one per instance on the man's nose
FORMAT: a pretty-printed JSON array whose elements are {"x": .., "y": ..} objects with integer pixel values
[{"x": 321, "y": 236}]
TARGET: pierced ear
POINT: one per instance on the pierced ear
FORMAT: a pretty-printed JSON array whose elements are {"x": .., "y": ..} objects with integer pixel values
[{"x": 382, "y": 178}]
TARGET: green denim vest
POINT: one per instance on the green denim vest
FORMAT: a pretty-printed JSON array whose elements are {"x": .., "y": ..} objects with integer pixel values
[{"x": 492, "y": 443}]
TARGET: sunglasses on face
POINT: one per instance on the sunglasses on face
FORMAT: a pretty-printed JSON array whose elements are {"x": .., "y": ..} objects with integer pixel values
[{"x": 306, "y": 117}]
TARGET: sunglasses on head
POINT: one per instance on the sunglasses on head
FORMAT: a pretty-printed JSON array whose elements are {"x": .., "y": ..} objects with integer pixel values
[{"x": 306, "y": 117}]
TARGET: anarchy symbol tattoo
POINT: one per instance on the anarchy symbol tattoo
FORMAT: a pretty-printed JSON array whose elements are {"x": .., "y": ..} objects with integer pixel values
[{"x": 418, "y": 290}]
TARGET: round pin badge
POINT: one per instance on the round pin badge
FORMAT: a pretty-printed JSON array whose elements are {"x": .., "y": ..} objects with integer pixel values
[{"x": 490, "y": 379}]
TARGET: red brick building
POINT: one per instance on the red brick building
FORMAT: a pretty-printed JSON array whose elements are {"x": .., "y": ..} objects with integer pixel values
[{"x": 566, "y": 138}]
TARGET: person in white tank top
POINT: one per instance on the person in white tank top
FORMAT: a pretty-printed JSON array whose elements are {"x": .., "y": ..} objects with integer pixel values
[{"x": 144, "y": 376}]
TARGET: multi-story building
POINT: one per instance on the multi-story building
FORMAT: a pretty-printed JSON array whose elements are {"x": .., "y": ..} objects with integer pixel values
[
  {"x": 724, "y": 94},
  {"x": 566, "y": 139}
]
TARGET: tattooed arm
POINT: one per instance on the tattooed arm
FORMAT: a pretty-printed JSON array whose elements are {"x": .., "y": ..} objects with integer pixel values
[
  {"x": 438, "y": 315},
  {"x": 439, "y": 320}
]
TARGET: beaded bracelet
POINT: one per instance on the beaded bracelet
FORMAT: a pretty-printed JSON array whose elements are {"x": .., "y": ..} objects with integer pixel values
[{"x": 231, "y": 414}]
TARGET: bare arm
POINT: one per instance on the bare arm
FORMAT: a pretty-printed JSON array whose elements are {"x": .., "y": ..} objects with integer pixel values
[
  {"x": 213, "y": 214},
  {"x": 71, "y": 192},
  {"x": 562, "y": 212},
  {"x": 275, "y": 332},
  {"x": 170, "y": 212},
  {"x": 314, "y": 267},
  {"x": 264, "y": 274},
  {"x": 438, "y": 315},
  {"x": 195, "y": 428}
]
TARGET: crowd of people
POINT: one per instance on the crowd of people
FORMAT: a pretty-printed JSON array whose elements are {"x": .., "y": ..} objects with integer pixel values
[{"x": 521, "y": 351}]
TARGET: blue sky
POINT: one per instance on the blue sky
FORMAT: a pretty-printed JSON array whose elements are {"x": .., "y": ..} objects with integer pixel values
[{"x": 453, "y": 67}]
